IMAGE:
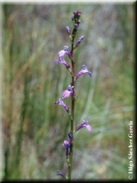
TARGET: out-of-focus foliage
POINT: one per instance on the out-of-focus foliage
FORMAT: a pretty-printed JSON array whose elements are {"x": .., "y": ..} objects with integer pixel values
[{"x": 33, "y": 129}]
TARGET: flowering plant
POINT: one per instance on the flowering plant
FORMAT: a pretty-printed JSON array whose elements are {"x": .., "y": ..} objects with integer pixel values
[{"x": 69, "y": 144}]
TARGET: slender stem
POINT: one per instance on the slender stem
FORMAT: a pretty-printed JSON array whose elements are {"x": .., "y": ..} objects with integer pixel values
[{"x": 72, "y": 107}]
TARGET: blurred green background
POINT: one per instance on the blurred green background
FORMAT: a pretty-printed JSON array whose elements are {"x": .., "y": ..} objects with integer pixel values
[{"x": 33, "y": 129}]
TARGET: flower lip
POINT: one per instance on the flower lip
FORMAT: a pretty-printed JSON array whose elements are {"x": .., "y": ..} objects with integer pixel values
[{"x": 61, "y": 54}]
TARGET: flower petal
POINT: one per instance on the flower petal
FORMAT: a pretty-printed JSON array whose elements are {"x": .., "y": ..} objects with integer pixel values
[
  {"x": 62, "y": 61},
  {"x": 60, "y": 102},
  {"x": 64, "y": 105},
  {"x": 89, "y": 73},
  {"x": 68, "y": 53},
  {"x": 61, "y": 53},
  {"x": 88, "y": 128},
  {"x": 85, "y": 120},
  {"x": 66, "y": 93},
  {"x": 59, "y": 173},
  {"x": 57, "y": 61}
]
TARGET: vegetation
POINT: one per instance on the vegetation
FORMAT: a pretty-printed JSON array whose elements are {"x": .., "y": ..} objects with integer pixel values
[{"x": 32, "y": 36}]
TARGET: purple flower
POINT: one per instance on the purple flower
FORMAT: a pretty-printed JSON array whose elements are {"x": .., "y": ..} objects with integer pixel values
[
  {"x": 60, "y": 102},
  {"x": 79, "y": 40},
  {"x": 68, "y": 29},
  {"x": 66, "y": 93},
  {"x": 66, "y": 144},
  {"x": 61, "y": 53},
  {"x": 62, "y": 61},
  {"x": 85, "y": 124},
  {"x": 83, "y": 71},
  {"x": 59, "y": 173}
]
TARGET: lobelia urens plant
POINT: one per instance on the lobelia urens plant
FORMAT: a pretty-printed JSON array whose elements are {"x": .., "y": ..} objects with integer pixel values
[{"x": 70, "y": 91}]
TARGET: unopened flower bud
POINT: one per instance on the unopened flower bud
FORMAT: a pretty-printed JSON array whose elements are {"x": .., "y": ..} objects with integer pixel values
[
  {"x": 73, "y": 18},
  {"x": 79, "y": 21},
  {"x": 79, "y": 40},
  {"x": 79, "y": 14},
  {"x": 74, "y": 11},
  {"x": 70, "y": 135},
  {"x": 79, "y": 11},
  {"x": 68, "y": 29},
  {"x": 75, "y": 26}
]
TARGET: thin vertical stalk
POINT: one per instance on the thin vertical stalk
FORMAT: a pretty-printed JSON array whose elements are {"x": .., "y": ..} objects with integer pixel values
[{"x": 72, "y": 107}]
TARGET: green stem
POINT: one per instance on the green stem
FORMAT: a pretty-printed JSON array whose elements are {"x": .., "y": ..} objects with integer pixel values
[{"x": 72, "y": 108}]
